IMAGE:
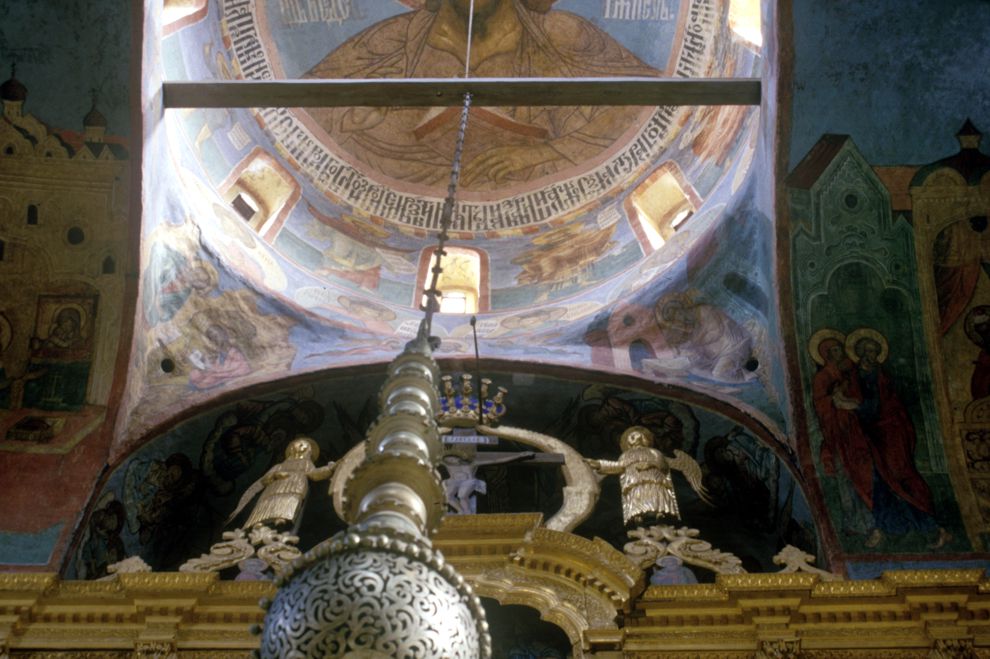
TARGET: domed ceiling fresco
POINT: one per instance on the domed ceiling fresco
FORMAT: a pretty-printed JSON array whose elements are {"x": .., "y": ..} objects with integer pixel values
[{"x": 280, "y": 241}]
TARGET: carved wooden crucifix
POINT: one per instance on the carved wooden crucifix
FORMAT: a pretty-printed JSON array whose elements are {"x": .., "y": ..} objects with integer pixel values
[{"x": 461, "y": 461}]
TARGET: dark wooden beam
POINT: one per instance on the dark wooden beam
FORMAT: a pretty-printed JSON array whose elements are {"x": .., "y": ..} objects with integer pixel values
[{"x": 440, "y": 92}]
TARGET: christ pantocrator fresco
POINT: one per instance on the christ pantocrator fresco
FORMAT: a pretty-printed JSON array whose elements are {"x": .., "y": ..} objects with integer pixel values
[{"x": 505, "y": 146}]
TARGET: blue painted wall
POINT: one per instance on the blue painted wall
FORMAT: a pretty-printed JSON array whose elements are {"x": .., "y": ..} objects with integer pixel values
[
  {"x": 65, "y": 49},
  {"x": 899, "y": 77}
]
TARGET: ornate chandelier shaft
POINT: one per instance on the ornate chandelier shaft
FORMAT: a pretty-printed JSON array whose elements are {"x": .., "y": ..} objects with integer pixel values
[
  {"x": 397, "y": 485},
  {"x": 413, "y": 603}
]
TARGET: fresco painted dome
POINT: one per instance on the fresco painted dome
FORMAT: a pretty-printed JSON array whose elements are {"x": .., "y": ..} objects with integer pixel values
[
  {"x": 94, "y": 118},
  {"x": 578, "y": 231}
]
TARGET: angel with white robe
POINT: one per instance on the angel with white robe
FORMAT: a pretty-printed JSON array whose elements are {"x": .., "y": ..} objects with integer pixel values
[
  {"x": 644, "y": 476},
  {"x": 284, "y": 487}
]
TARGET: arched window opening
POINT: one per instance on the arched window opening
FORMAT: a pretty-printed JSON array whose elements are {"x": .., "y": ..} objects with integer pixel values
[
  {"x": 460, "y": 281},
  {"x": 32, "y": 214},
  {"x": 109, "y": 266},
  {"x": 261, "y": 191},
  {"x": 3, "y": 249},
  {"x": 662, "y": 205},
  {"x": 744, "y": 21}
]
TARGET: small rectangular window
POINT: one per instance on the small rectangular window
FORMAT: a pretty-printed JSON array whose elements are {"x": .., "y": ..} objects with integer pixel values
[
  {"x": 244, "y": 206},
  {"x": 454, "y": 302}
]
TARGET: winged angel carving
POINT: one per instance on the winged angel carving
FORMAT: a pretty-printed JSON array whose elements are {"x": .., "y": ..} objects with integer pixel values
[
  {"x": 644, "y": 477},
  {"x": 284, "y": 487}
]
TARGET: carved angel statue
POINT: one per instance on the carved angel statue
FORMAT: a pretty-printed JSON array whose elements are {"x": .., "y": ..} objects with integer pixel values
[
  {"x": 647, "y": 489},
  {"x": 284, "y": 487}
]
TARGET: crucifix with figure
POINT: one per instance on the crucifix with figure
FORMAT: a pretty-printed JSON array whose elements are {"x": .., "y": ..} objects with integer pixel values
[{"x": 462, "y": 459}]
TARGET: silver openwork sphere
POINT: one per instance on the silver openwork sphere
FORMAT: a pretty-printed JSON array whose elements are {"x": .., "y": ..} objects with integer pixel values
[{"x": 394, "y": 599}]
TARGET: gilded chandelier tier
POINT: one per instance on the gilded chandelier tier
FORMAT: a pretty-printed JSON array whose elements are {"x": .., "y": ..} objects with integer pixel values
[{"x": 379, "y": 589}]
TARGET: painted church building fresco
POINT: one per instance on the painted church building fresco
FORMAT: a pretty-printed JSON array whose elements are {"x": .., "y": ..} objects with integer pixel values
[
  {"x": 63, "y": 228},
  {"x": 65, "y": 240},
  {"x": 950, "y": 203},
  {"x": 875, "y": 434}
]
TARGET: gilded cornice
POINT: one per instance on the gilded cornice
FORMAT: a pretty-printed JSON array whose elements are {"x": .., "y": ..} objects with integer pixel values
[
  {"x": 768, "y": 581},
  {"x": 916, "y": 578},
  {"x": 39, "y": 614},
  {"x": 26, "y": 582},
  {"x": 873, "y": 588},
  {"x": 478, "y": 544},
  {"x": 902, "y": 614},
  {"x": 915, "y": 613}
]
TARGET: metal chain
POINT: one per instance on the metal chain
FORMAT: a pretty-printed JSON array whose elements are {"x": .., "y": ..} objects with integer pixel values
[{"x": 446, "y": 217}]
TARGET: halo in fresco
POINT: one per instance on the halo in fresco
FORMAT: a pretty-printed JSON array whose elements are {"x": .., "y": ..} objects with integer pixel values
[
  {"x": 869, "y": 334},
  {"x": 814, "y": 344},
  {"x": 521, "y": 166}
]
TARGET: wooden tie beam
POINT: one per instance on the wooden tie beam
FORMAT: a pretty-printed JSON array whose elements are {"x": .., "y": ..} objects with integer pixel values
[{"x": 447, "y": 92}]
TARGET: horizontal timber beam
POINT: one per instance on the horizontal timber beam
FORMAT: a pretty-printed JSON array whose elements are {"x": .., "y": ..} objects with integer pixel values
[{"x": 443, "y": 92}]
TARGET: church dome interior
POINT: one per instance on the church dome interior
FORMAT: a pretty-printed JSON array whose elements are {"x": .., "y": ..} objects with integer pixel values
[{"x": 716, "y": 330}]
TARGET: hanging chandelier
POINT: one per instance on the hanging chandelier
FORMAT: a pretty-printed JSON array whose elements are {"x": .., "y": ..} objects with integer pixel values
[{"x": 379, "y": 589}]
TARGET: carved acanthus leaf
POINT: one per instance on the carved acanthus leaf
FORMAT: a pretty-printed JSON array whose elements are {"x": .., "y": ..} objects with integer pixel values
[
  {"x": 795, "y": 560},
  {"x": 656, "y": 542}
]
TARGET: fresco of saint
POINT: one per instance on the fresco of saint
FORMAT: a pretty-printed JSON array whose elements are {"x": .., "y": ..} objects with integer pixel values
[
  {"x": 61, "y": 353},
  {"x": 562, "y": 254},
  {"x": 902, "y": 500},
  {"x": 511, "y": 38},
  {"x": 222, "y": 360},
  {"x": 960, "y": 253},
  {"x": 714, "y": 345},
  {"x": 867, "y": 430}
]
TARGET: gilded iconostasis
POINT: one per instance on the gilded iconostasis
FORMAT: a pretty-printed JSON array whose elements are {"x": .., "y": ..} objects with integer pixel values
[
  {"x": 169, "y": 501},
  {"x": 792, "y": 294}
]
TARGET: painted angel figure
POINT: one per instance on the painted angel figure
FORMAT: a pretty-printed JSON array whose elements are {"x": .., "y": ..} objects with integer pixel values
[
  {"x": 644, "y": 477},
  {"x": 284, "y": 487}
]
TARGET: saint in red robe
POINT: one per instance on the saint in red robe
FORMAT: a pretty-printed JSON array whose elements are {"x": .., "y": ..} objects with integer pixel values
[
  {"x": 892, "y": 438},
  {"x": 834, "y": 392}
]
